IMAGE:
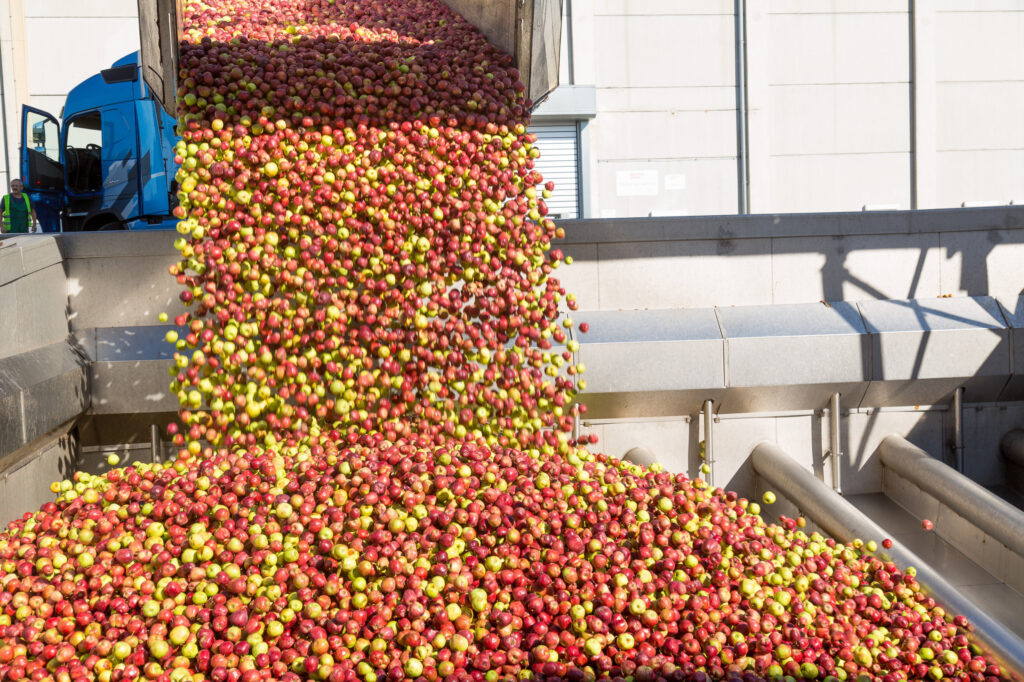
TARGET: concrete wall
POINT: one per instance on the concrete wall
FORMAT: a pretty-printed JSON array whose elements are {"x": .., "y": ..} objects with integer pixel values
[
  {"x": 851, "y": 104},
  {"x": 979, "y": 96}
]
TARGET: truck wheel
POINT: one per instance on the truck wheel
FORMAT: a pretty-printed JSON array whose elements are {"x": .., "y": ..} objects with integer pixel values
[{"x": 113, "y": 225}]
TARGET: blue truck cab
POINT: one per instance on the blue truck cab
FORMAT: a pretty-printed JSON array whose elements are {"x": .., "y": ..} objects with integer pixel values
[{"x": 109, "y": 163}]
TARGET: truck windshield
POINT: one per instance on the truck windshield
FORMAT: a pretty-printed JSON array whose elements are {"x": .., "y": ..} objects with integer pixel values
[{"x": 82, "y": 153}]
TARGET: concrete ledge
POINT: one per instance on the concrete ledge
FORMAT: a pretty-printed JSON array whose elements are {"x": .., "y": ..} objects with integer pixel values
[
  {"x": 25, "y": 476},
  {"x": 767, "y": 225},
  {"x": 22, "y": 255},
  {"x": 39, "y": 390}
]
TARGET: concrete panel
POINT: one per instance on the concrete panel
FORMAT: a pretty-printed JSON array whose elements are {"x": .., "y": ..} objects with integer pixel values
[
  {"x": 840, "y": 119},
  {"x": 11, "y": 267},
  {"x": 669, "y": 440},
  {"x": 41, "y": 309},
  {"x": 666, "y": 135},
  {"x": 983, "y": 427},
  {"x": 982, "y": 175},
  {"x": 685, "y": 274},
  {"x": 840, "y": 48},
  {"x": 855, "y": 268},
  {"x": 735, "y": 438},
  {"x": 666, "y": 99},
  {"x": 979, "y": 115},
  {"x": 67, "y": 9},
  {"x": 646, "y": 51},
  {"x": 57, "y": 399},
  {"x": 25, "y": 485},
  {"x": 120, "y": 37},
  {"x": 982, "y": 264},
  {"x": 117, "y": 292},
  {"x": 38, "y": 253},
  {"x": 708, "y": 188},
  {"x": 980, "y": 46},
  {"x": 836, "y": 6},
  {"x": 12, "y": 435},
  {"x": 957, "y": 6},
  {"x": 845, "y": 182},
  {"x": 661, "y": 7},
  {"x": 135, "y": 387},
  {"x": 864, "y": 430},
  {"x": 581, "y": 277}
]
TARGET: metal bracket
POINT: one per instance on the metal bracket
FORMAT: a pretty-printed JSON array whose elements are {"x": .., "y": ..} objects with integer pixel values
[{"x": 834, "y": 453}]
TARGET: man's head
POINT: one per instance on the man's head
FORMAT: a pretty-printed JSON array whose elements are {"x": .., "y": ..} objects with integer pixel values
[{"x": 17, "y": 186}]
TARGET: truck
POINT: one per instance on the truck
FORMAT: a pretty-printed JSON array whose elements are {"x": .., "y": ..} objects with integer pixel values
[{"x": 108, "y": 162}]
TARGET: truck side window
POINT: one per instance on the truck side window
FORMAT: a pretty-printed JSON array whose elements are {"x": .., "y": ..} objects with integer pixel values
[
  {"x": 82, "y": 153},
  {"x": 44, "y": 153}
]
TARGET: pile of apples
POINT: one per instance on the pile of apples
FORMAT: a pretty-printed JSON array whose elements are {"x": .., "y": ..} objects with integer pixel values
[{"x": 375, "y": 478}]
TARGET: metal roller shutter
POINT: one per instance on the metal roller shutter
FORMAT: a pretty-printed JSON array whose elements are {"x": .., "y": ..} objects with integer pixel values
[{"x": 559, "y": 162}]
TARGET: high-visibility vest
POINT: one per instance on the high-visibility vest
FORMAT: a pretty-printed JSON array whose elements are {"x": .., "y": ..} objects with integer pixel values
[{"x": 7, "y": 208}]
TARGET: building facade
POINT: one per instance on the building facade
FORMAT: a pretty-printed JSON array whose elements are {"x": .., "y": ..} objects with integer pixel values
[{"x": 690, "y": 107}]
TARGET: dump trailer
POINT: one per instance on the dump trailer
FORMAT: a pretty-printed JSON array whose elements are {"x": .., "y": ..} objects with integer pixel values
[{"x": 107, "y": 161}]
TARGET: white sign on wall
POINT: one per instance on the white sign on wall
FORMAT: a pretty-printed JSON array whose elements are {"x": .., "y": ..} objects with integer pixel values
[{"x": 636, "y": 183}]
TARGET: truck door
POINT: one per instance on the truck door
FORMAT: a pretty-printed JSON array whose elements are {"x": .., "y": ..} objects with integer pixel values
[
  {"x": 41, "y": 170},
  {"x": 121, "y": 191}
]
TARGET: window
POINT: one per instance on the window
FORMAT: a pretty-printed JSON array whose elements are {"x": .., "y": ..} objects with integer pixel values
[{"x": 82, "y": 154}]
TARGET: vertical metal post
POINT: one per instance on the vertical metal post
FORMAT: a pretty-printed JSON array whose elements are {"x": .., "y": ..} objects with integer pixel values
[
  {"x": 834, "y": 452},
  {"x": 743, "y": 182},
  {"x": 958, "y": 428},
  {"x": 709, "y": 440},
  {"x": 154, "y": 444}
]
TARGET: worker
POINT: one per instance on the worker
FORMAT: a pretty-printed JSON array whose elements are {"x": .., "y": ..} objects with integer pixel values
[{"x": 19, "y": 216}]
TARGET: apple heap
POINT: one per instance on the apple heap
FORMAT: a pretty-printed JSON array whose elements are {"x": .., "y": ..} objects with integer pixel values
[
  {"x": 375, "y": 479},
  {"x": 359, "y": 558}
]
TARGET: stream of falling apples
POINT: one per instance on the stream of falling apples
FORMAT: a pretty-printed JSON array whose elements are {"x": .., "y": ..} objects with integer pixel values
[{"x": 375, "y": 474}]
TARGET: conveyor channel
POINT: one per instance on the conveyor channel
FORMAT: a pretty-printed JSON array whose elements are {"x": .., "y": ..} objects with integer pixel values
[
  {"x": 971, "y": 561},
  {"x": 988, "y": 592}
]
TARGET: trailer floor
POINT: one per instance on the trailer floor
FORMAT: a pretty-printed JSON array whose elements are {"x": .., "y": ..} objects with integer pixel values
[{"x": 1000, "y": 601}]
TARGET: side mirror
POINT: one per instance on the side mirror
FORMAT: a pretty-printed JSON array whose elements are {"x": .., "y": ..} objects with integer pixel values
[{"x": 39, "y": 135}]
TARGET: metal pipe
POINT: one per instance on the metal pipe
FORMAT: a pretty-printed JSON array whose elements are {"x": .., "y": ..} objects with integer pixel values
[
  {"x": 839, "y": 518},
  {"x": 1012, "y": 446},
  {"x": 958, "y": 428},
  {"x": 742, "y": 151},
  {"x": 709, "y": 440},
  {"x": 982, "y": 509},
  {"x": 569, "y": 42},
  {"x": 154, "y": 444},
  {"x": 834, "y": 452}
]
